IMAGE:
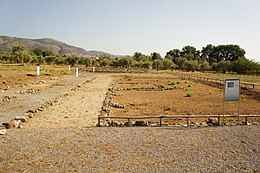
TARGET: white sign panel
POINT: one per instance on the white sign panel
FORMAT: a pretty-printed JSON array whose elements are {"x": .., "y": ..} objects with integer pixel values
[{"x": 232, "y": 90}]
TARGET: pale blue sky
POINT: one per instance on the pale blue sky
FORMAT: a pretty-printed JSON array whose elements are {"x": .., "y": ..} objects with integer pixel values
[{"x": 125, "y": 26}]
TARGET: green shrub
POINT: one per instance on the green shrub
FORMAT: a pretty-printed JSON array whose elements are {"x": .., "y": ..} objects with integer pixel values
[
  {"x": 161, "y": 86},
  {"x": 173, "y": 83},
  {"x": 189, "y": 95},
  {"x": 178, "y": 82},
  {"x": 167, "y": 108}
]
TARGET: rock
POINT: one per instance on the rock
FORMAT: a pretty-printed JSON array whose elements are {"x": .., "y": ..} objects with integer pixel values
[
  {"x": 127, "y": 124},
  {"x": 213, "y": 121},
  {"x": 2, "y": 132},
  {"x": 40, "y": 109},
  {"x": 204, "y": 124},
  {"x": 9, "y": 125},
  {"x": 115, "y": 123},
  {"x": 21, "y": 118},
  {"x": 140, "y": 123},
  {"x": 254, "y": 123},
  {"x": 30, "y": 115},
  {"x": 31, "y": 111},
  {"x": 185, "y": 125},
  {"x": 153, "y": 125}
]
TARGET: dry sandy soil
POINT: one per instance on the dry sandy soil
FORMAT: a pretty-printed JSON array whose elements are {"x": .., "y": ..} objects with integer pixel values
[
  {"x": 63, "y": 138},
  {"x": 205, "y": 100}
]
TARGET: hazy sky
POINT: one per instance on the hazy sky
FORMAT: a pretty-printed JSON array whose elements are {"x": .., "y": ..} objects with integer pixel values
[{"x": 125, "y": 26}]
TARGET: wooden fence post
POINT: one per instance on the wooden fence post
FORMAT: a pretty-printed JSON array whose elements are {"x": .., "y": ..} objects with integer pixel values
[
  {"x": 160, "y": 121},
  {"x": 98, "y": 122},
  {"x": 188, "y": 122}
]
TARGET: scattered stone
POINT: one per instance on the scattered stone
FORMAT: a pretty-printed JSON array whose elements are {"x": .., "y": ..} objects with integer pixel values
[
  {"x": 9, "y": 125},
  {"x": 115, "y": 123},
  {"x": 204, "y": 124},
  {"x": 128, "y": 124},
  {"x": 40, "y": 109},
  {"x": 30, "y": 115},
  {"x": 153, "y": 125},
  {"x": 66, "y": 117},
  {"x": 254, "y": 123},
  {"x": 2, "y": 132},
  {"x": 185, "y": 125},
  {"x": 31, "y": 111},
  {"x": 212, "y": 121},
  {"x": 140, "y": 123},
  {"x": 21, "y": 118},
  {"x": 8, "y": 98}
]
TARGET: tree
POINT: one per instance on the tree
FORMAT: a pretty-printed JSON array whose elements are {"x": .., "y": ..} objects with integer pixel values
[
  {"x": 72, "y": 59},
  {"x": 126, "y": 62},
  {"x": 243, "y": 66},
  {"x": 60, "y": 61},
  {"x": 37, "y": 52},
  {"x": 168, "y": 64},
  {"x": 181, "y": 62},
  {"x": 226, "y": 52},
  {"x": 190, "y": 53},
  {"x": 191, "y": 65},
  {"x": 138, "y": 56},
  {"x": 86, "y": 61},
  {"x": 21, "y": 54},
  {"x": 105, "y": 60},
  {"x": 48, "y": 53},
  {"x": 206, "y": 52},
  {"x": 19, "y": 48},
  {"x": 38, "y": 59},
  {"x": 157, "y": 64},
  {"x": 224, "y": 66},
  {"x": 204, "y": 65},
  {"x": 155, "y": 56},
  {"x": 173, "y": 55},
  {"x": 50, "y": 59}
]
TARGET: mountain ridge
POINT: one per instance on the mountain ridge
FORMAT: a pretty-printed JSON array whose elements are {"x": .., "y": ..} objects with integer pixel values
[{"x": 58, "y": 47}]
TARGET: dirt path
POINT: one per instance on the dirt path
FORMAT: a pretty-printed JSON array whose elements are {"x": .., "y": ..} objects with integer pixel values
[
  {"x": 32, "y": 95},
  {"x": 80, "y": 108}
]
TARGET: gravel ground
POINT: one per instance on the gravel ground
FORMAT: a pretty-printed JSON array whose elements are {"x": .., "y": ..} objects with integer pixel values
[
  {"x": 129, "y": 149},
  {"x": 63, "y": 138}
]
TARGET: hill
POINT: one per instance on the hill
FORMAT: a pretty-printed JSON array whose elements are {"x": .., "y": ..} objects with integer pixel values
[{"x": 58, "y": 47}]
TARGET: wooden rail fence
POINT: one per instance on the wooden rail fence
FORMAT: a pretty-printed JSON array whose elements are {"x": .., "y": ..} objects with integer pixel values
[
  {"x": 187, "y": 117},
  {"x": 221, "y": 82}
]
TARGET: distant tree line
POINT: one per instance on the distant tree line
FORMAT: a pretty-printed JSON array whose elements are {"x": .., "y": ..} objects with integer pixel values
[{"x": 221, "y": 58}]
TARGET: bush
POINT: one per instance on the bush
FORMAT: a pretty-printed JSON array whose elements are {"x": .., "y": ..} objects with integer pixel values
[
  {"x": 173, "y": 83},
  {"x": 189, "y": 95},
  {"x": 161, "y": 86},
  {"x": 178, "y": 82}
]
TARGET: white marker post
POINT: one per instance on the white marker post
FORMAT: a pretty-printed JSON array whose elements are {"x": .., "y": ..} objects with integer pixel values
[
  {"x": 77, "y": 72},
  {"x": 93, "y": 69},
  {"x": 69, "y": 70},
  {"x": 38, "y": 70}
]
